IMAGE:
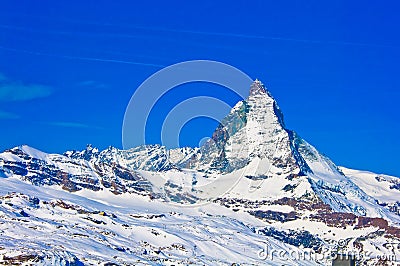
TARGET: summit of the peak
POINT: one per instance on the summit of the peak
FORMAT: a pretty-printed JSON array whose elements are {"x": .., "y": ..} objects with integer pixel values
[{"x": 257, "y": 87}]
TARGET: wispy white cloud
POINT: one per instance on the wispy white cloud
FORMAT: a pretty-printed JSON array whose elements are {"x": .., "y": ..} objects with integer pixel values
[
  {"x": 11, "y": 91},
  {"x": 7, "y": 115}
]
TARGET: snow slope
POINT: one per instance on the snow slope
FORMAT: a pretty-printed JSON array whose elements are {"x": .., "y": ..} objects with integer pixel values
[
  {"x": 55, "y": 226},
  {"x": 253, "y": 188}
]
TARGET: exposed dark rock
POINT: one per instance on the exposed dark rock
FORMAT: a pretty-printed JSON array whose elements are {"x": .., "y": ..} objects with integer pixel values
[
  {"x": 275, "y": 216},
  {"x": 295, "y": 238}
]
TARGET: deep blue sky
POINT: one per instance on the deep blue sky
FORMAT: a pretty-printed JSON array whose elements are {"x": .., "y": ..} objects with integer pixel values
[{"x": 69, "y": 69}]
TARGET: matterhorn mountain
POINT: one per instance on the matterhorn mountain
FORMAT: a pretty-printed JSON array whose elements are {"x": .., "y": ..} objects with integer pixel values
[{"x": 253, "y": 190}]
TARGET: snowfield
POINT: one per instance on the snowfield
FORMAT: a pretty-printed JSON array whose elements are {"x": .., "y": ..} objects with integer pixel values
[
  {"x": 255, "y": 193},
  {"x": 57, "y": 227}
]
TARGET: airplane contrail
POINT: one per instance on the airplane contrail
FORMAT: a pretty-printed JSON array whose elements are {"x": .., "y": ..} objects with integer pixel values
[
  {"x": 223, "y": 34},
  {"x": 74, "y": 33},
  {"x": 83, "y": 58},
  {"x": 249, "y": 36}
]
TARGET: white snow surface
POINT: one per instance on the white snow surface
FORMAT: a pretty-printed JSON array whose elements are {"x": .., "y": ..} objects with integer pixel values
[
  {"x": 153, "y": 206},
  {"x": 125, "y": 229}
]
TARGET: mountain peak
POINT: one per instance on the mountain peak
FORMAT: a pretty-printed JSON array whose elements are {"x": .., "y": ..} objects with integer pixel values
[{"x": 257, "y": 87}]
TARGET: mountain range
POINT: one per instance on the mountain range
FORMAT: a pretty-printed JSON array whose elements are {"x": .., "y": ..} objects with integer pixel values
[{"x": 253, "y": 188}]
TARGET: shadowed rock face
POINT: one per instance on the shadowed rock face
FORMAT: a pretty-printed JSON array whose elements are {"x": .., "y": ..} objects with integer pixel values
[
  {"x": 74, "y": 174},
  {"x": 253, "y": 129}
]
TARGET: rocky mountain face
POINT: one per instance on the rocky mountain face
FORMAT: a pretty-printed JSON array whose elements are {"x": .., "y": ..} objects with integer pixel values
[
  {"x": 253, "y": 129},
  {"x": 263, "y": 176},
  {"x": 72, "y": 173}
]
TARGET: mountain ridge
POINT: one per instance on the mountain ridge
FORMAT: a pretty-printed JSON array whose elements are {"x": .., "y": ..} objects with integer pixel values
[{"x": 252, "y": 168}]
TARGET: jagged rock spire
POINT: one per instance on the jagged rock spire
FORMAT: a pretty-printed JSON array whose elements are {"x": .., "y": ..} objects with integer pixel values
[{"x": 257, "y": 88}]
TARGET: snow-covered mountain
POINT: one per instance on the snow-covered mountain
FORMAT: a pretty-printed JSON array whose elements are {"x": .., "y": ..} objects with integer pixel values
[{"x": 254, "y": 187}]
